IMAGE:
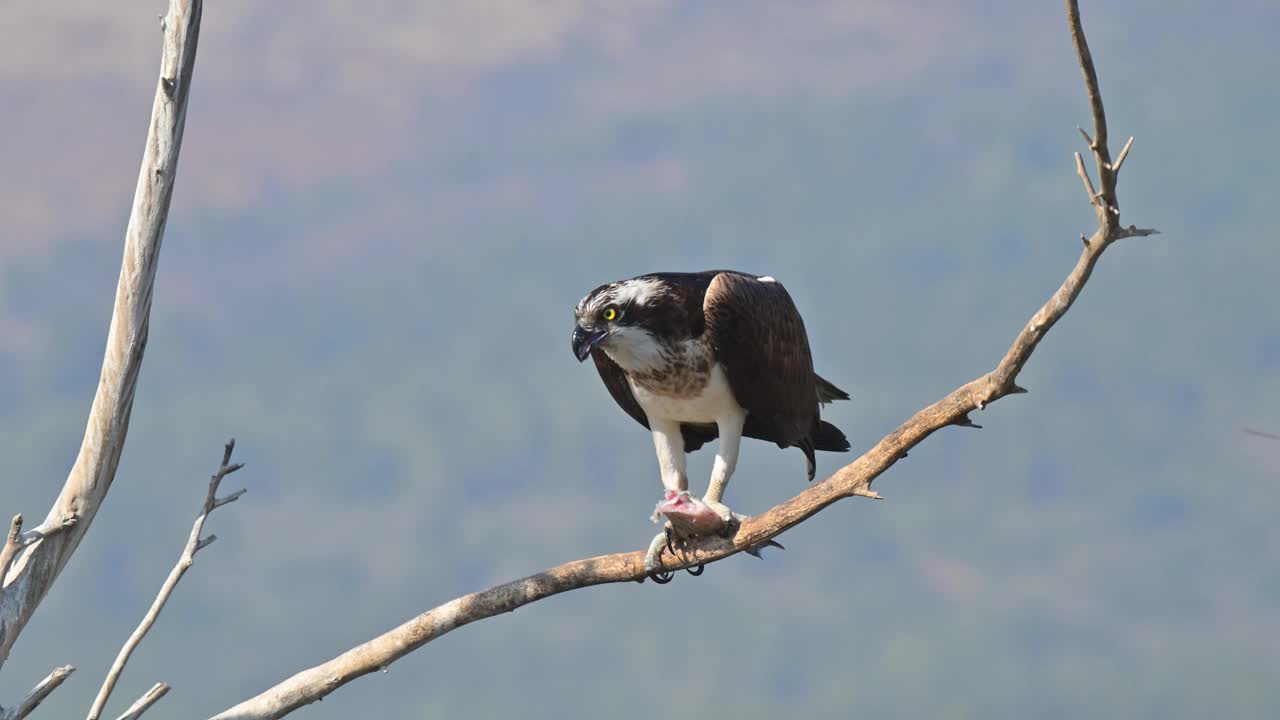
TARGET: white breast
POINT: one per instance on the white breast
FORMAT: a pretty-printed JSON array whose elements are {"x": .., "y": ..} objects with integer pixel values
[{"x": 715, "y": 400}]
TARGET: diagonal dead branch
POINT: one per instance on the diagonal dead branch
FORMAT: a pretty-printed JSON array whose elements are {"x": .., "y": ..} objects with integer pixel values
[
  {"x": 850, "y": 481},
  {"x": 38, "y": 565},
  {"x": 193, "y": 546},
  {"x": 1094, "y": 199},
  {"x": 38, "y": 694},
  {"x": 1124, "y": 153},
  {"x": 144, "y": 703},
  {"x": 1085, "y": 134},
  {"x": 219, "y": 502},
  {"x": 1133, "y": 231},
  {"x": 1262, "y": 434}
]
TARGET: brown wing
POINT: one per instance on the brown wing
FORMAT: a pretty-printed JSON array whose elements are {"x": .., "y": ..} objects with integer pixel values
[
  {"x": 761, "y": 342},
  {"x": 695, "y": 436}
]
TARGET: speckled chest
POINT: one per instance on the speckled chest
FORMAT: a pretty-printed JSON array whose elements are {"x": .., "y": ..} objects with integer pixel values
[
  {"x": 683, "y": 370},
  {"x": 689, "y": 387}
]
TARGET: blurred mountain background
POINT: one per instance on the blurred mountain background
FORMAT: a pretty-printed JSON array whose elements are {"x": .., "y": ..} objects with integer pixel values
[{"x": 384, "y": 215}]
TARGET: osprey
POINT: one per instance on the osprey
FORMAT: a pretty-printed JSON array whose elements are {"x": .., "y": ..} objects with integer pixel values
[{"x": 696, "y": 356}]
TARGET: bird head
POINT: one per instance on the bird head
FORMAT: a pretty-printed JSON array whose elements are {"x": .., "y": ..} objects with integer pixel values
[{"x": 624, "y": 319}]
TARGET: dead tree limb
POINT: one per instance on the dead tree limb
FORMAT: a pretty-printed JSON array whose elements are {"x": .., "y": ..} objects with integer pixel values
[
  {"x": 37, "y": 694},
  {"x": 40, "y": 561},
  {"x": 852, "y": 480},
  {"x": 195, "y": 544}
]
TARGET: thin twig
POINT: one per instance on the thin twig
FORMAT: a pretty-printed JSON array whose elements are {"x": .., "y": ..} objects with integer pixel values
[
  {"x": 852, "y": 480},
  {"x": 194, "y": 544},
  {"x": 1124, "y": 153},
  {"x": 91, "y": 475},
  {"x": 1084, "y": 178},
  {"x": 1262, "y": 434},
  {"x": 144, "y": 703},
  {"x": 1132, "y": 231},
  {"x": 1085, "y": 134},
  {"x": 38, "y": 694},
  {"x": 230, "y": 498}
]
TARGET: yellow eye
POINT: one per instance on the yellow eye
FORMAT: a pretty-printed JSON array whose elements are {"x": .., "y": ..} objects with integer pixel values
[{"x": 610, "y": 314}]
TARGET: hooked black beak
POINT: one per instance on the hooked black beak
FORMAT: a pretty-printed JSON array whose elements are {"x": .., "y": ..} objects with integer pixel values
[{"x": 583, "y": 340}]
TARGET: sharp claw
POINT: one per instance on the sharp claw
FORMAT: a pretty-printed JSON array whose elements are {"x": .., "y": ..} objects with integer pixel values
[
  {"x": 755, "y": 550},
  {"x": 696, "y": 572},
  {"x": 662, "y": 578}
]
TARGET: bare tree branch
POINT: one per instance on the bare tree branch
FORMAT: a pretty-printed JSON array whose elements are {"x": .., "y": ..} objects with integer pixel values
[
  {"x": 144, "y": 703},
  {"x": 852, "y": 480},
  {"x": 1262, "y": 434},
  {"x": 38, "y": 565},
  {"x": 1094, "y": 199},
  {"x": 194, "y": 545},
  {"x": 1085, "y": 134},
  {"x": 38, "y": 694},
  {"x": 1124, "y": 153}
]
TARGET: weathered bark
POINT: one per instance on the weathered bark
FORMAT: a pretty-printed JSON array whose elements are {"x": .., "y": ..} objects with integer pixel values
[{"x": 44, "y": 551}]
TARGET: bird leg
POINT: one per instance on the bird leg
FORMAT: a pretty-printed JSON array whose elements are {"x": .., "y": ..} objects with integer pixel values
[
  {"x": 730, "y": 428},
  {"x": 668, "y": 442},
  {"x": 690, "y": 517},
  {"x": 686, "y": 516}
]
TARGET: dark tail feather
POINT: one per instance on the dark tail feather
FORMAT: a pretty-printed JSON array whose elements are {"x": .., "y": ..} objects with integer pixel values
[
  {"x": 810, "y": 462},
  {"x": 826, "y": 437},
  {"x": 828, "y": 392}
]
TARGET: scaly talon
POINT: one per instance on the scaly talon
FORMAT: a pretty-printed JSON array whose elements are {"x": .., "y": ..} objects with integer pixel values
[{"x": 653, "y": 556}]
